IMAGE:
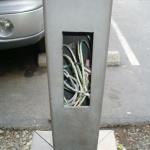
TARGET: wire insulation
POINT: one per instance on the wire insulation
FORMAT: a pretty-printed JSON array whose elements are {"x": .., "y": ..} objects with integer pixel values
[{"x": 76, "y": 74}]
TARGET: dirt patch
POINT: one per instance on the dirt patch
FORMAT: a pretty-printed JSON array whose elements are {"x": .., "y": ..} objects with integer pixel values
[{"x": 133, "y": 137}]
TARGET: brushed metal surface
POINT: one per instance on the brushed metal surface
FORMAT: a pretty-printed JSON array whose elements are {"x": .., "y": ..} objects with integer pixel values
[{"x": 76, "y": 128}]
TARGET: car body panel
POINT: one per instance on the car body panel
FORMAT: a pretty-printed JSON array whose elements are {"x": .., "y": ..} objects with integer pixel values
[
  {"x": 17, "y": 6},
  {"x": 27, "y": 19},
  {"x": 19, "y": 42},
  {"x": 25, "y": 24}
]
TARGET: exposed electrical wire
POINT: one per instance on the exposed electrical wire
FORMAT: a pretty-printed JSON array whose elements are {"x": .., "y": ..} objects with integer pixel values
[{"x": 77, "y": 73}]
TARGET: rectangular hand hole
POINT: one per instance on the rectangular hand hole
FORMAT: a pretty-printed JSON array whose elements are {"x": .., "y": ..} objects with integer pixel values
[{"x": 77, "y": 68}]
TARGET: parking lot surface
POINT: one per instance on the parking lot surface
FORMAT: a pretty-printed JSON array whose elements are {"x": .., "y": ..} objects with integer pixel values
[{"x": 24, "y": 101}]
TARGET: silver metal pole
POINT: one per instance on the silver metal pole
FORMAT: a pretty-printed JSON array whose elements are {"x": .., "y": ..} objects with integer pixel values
[{"x": 76, "y": 127}]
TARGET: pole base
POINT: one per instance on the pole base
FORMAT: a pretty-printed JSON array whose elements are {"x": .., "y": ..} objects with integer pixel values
[{"x": 43, "y": 140}]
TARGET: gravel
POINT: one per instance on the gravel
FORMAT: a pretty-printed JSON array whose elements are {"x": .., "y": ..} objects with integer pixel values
[
  {"x": 15, "y": 140},
  {"x": 129, "y": 137},
  {"x": 133, "y": 137}
]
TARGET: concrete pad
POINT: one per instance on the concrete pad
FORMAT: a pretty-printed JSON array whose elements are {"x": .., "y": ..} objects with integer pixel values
[
  {"x": 107, "y": 140},
  {"x": 42, "y": 60},
  {"x": 113, "y": 58},
  {"x": 42, "y": 138}
]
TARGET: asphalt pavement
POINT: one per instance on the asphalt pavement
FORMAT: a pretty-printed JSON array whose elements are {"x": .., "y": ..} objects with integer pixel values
[
  {"x": 24, "y": 101},
  {"x": 127, "y": 90}
]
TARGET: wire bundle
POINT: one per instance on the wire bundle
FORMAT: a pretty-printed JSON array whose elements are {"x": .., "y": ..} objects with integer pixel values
[{"x": 76, "y": 74}]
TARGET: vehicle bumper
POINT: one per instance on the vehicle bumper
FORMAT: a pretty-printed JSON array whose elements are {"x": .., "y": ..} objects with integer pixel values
[
  {"x": 19, "y": 42},
  {"x": 28, "y": 28}
]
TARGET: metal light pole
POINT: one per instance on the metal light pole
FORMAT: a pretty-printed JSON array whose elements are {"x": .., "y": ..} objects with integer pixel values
[{"x": 75, "y": 122}]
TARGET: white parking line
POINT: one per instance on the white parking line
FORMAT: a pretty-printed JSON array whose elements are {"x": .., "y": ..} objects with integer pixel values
[{"x": 131, "y": 56}]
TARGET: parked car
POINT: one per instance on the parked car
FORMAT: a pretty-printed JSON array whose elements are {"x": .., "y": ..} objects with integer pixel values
[{"x": 21, "y": 23}]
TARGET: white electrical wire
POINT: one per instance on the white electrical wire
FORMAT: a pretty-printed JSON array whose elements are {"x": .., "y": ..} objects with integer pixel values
[{"x": 76, "y": 81}]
